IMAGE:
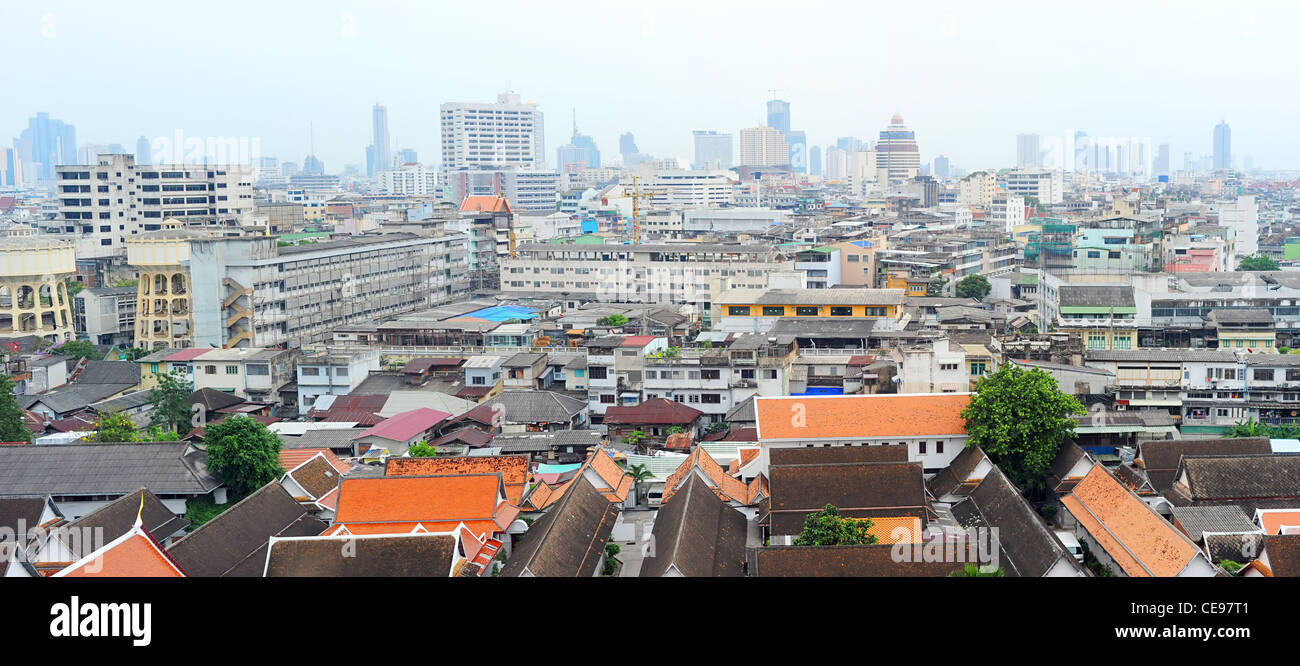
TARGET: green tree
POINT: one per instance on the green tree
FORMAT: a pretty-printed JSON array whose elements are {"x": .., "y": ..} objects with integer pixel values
[
  {"x": 974, "y": 286},
  {"x": 79, "y": 349},
  {"x": 828, "y": 528},
  {"x": 244, "y": 453},
  {"x": 133, "y": 354},
  {"x": 973, "y": 570},
  {"x": 126, "y": 282},
  {"x": 936, "y": 285},
  {"x": 717, "y": 427},
  {"x": 613, "y": 321},
  {"x": 72, "y": 287},
  {"x": 1020, "y": 418},
  {"x": 1231, "y": 566},
  {"x": 115, "y": 427},
  {"x": 421, "y": 449},
  {"x": 171, "y": 402},
  {"x": 12, "y": 427},
  {"x": 1257, "y": 262},
  {"x": 674, "y": 430},
  {"x": 633, "y": 438}
]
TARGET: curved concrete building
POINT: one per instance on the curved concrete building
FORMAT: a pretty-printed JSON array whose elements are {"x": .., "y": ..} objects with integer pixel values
[
  {"x": 164, "y": 305},
  {"x": 33, "y": 298}
]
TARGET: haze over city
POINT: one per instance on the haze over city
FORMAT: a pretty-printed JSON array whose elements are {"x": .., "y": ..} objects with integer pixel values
[{"x": 966, "y": 78}]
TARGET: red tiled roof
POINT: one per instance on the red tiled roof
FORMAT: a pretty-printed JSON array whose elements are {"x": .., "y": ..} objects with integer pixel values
[
  {"x": 636, "y": 340},
  {"x": 1134, "y": 536},
  {"x": 485, "y": 204},
  {"x": 395, "y": 504},
  {"x": 291, "y": 458},
  {"x": 135, "y": 555},
  {"x": 742, "y": 435},
  {"x": 514, "y": 469},
  {"x": 406, "y": 425},
  {"x": 186, "y": 354},
  {"x": 850, "y": 416},
  {"x": 654, "y": 410}
]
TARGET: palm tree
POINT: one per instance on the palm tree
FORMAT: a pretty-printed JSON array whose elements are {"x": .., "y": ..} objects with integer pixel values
[
  {"x": 1249, "y": 428},
  {"x": 640, "y": 474}
]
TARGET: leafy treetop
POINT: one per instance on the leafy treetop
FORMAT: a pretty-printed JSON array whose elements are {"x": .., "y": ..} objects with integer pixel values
[{"x": 828, "y": 528}]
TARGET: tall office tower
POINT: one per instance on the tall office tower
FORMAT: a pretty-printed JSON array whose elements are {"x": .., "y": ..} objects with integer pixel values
[
  {"x": 11, "y": 168},
  {"x": 1222, "y": 146},
  {"x": 1189, "y": 162},
  {"x": 45, "y": 144},
  {"x": 849, "y": 144},
  {"x": 897, "y": 151},
  {"x": 1161, "y": 166},
  {"x": 1027, "y": 151},
  {"x": 778, "y": 116},
  {"x": 797, "y": 143},
  {"x": 713, "y": 150},
  {"x": 507, "y": 133},
  {"x": 581, "y": 149},
  {"x": 383, "y": 148},
  {"x": 143, "y": 151},
  {"x": 837, "y": 163},
  {"x": 289, "y": 169},
  {"x": 115, "y": 198},
  {"x": 313, "y": 166},
  {"x": 763, "y": 146},
  {"x": 407, "y": 156},
  {"x": 815, "y": 161},
  {"x": 1085, "y": 154},
  {"x": 627, "y": 148},
  {"x": 941, "y": 167}
]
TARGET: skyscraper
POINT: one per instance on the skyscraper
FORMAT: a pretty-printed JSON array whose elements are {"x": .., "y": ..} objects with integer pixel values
[
  {"x": 815, "y": 160},
  {"x": 1222, "y": 146},
  {"x": 713, "y": 150},
  {"x": 11, "y": 168},
  {"x": 313, "y": 166},
  {"x": 941, "y": 167},
  {"x": 581, "y": 149},
  {"x": 837, "y": 163},
  {"x": 1027, "y": 151},
  {"x": 897, "y": 151},
  {"x": 797, "y": 143},
  {"x": 507, "y": 133},
  {"x": 143, "y": 151},
  {"x": 778, "y": 116},
  {"x": 849, "y": 144},
  {"x": 763, "y": 146},
  {"x": 45, "y": 144},
  {"x": 381, "y": 158},
  {"x": 627, "y": 148},
  {"x": 1161, "y": 166}
]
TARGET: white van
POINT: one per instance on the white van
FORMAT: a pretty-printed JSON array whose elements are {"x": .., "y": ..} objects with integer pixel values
[{"x": 1071, "y": 544}]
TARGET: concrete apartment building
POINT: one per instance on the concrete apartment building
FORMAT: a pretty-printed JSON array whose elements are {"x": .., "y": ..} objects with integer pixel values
[
  {"x": 105, "y": 315},
  {"x": 101, "y": 205},
  {"x": 1046, "y": 185},
  {"x": 509, "y": 132},
  {"x": 646, "y": 273},
  {"x": 331, "y": 371},
  {"x": 249, "y": 292},
  {"x": 763, "y": 146},
  {"x": 415, "y": 180},
  {"x": 678, "y": 188}
]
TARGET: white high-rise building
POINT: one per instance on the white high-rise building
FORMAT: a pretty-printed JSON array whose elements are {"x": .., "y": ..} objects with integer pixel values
[
  {"x": 1243, "y": 216},
  {"x": 712, "y": 150},
  {"x": 763, "y": 146},
  {"x": 897, "y": 151},
  {"x": 679, "y": 188},
  {"x": 976, "y": 189},
  {"x": 1046, "y": 185},
  {"x": 414, "y": 180},
  {"x": 837, "y": 163},
  {"x": 865, "y": 170},
  {"x": 507, "y": 133},
  {"x": 1027, "y": 151},
  {"x": 102, "y": 204}
]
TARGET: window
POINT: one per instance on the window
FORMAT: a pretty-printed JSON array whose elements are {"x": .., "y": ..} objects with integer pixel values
[
  {"x": 711, "y": 398},
  {"x": 738, "y": 310},
  {"x": 947, "y": 366},
  {"x": 978, "y": 369},
  {"x": 478, "y": 380},
  {"x": 1094, "y": 254},
  {"x": 805, "y": 311},
  {"x": 747, "y": 373},
  {"x": 710, "y": 374},
  {"x": 921, "y": 447},
  {"x": 310, "y": 372},
  {"x": 773, "y": 311},
  {"x": 876, "y": 311},
  {"x": 841, "y": 311},
  {"x": 232, "y": 369},
  {"x": 607, "y": 399},
  {"x": 1262, "y": 375},
  {"x": 599, "y": 372},
  {"x": 210, "y": 370},
  {"x": 938, "y": 447},
  {"x": 340, "y": 372}
]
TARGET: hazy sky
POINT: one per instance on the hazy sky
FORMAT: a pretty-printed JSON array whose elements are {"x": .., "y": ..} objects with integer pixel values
[{"x": 966, "y": 76}]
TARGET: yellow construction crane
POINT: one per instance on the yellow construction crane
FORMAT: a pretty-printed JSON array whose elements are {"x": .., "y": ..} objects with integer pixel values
[{"x": 637, "y": 194}]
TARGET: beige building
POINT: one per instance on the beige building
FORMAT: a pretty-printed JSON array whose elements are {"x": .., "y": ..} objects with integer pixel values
[
  {"x": 33, "y": 298},
  {"x": 763, "y": 146}
]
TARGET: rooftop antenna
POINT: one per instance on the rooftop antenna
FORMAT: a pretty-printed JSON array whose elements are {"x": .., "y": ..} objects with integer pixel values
[
  {"x": 575, "y": 121},
  {"x": 311, "y": 138}
]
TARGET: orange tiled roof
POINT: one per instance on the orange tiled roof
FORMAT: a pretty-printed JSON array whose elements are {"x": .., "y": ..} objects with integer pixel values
[
  {"x": 423, "y": 499},
  {"x": 485, "y": 204},
  {"x": 291, "y": 458},
  {"x": 135, "y": 555},
  {"x": 480, "y": 527},
  {"x": 1137, "y": 539},
  {"x": 614, "y": 484},
  {"x": 1272, "y": 521},
  {"x": 849, "y": 416},
  {"x": 725, "y": 486},
  {"x": 896, "y": 529},
  {"x": 514, "y": 469}
]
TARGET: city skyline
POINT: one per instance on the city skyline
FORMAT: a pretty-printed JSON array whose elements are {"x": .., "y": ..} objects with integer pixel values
[{"x": 970, "y": 118}]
